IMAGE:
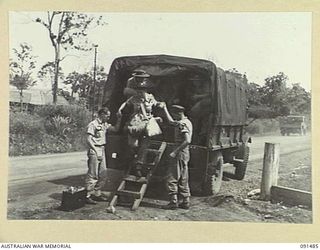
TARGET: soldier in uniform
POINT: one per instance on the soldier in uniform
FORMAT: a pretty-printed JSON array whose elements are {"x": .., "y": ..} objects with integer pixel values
[
  {"x": 96, "y": 139},
  {"x": 138, "y": 76},
  {"x": 141, "y": 104},
  {"x": 177, "y": 177}
]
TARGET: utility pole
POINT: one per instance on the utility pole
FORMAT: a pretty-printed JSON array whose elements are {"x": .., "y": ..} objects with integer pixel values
[{"x": 94, "y": 80}]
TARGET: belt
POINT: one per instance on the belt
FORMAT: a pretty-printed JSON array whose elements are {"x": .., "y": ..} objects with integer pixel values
[{"x": 99, "y": 145}]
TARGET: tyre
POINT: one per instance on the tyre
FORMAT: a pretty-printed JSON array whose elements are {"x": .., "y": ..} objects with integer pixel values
[
  {"x": 241, "y": 167},
  {"x": 213, "y": 178}
]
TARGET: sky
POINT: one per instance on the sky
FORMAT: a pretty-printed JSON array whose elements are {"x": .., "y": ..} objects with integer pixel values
[{"x": 259, "y": 44}]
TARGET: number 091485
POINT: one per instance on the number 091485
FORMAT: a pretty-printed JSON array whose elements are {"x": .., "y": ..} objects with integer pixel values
[{"x": 312, "y": 246}]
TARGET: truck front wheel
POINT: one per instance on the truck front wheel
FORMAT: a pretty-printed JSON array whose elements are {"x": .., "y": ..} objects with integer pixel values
[{"x": 213, "y": 178}]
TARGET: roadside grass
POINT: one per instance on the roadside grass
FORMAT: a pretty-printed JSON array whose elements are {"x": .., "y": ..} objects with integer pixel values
[{"x": 48, "y": 129}]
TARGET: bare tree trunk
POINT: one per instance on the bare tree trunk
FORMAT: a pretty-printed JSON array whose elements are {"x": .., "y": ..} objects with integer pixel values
[
  {"x": 56, "y": 75},
  {"x": 21, "y": 100}
]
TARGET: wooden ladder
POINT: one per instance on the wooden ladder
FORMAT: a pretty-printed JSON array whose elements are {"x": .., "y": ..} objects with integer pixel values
[{"x": 148, "y": 159}]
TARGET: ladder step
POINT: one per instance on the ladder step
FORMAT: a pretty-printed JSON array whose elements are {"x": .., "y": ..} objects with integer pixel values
[
  {"x": 133, "y": 194},
  {"x": 148, "y": 150},
  {"x": 237, "y": 161},
  {"x": 149, "y": 167},
  {"x": 146, "y": 164},
  {"x": 134, "y": 178}
]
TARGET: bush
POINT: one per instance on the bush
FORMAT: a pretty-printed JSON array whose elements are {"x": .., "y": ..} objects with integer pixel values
[
  {"x": 67, "y": 122},
  {"x": 25, "y": 123},
  {"x": 78, "y": 114},
  {"x": 51, "y": 129},
  {"x": 263, "y": 126}
]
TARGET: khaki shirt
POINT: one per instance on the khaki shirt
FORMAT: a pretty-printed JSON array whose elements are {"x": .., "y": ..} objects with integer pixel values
[
  {"x": 98, "y": 130},
  {"x": 145, "y": 99},
  {"x": 185, "y": 126}
]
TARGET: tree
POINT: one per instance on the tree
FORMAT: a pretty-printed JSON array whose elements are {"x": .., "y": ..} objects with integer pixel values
[
  {"x": 80, "y": 83},
  {"x": 83, "y": 85},
  {"x": 299, "y": 100},
  {"x": 21, "y": 69},
  {"x": 67, "y": 30},
  {"x": 47, "y": 72},
  {"x": 254, "y": 95},
  {"x": 275, "y": 99},
  {"x": 274, "y": 94},
  {"x": 257, "y": 109}
]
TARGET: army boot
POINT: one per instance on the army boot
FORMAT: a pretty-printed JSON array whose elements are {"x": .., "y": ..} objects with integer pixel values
[
  {"x": 185, "y": 204},
  {"x": 173, "y": 204}
]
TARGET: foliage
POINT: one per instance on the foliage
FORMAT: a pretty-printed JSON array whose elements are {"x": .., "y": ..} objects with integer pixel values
[
  {"x": 80, "y": 83},
  {"x": 52, "y": 129},
  {"x": 47, "y": 72},
  {"x": 275, "y": 99},
  {"x": 21, "y": 68},
  {"x": 273, "y": 94},
  {"x": 67, "y": 30},
  {"x": 256, "y": 108},
  {"x": 61, "y": 126},
  {"x": 24, "y": 61},
  {"x": 299, "y": 100},
  {"x": 254, "y": 95},
  {"x": 83, "y": 84},
  {"x": 263, "y": 126},
  {"x": 78, "y": 115},
  {"x": 24, "y": 123},
  {"x": 22, "y": 82}
]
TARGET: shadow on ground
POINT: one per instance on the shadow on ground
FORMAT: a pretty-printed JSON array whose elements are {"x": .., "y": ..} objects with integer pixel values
[
  {"x": 74, "y": 180},
  {"x": 154, "y": 197}
]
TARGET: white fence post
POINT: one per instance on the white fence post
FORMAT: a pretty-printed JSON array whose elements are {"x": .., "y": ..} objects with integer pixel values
[{"x": 271, "y": 161}]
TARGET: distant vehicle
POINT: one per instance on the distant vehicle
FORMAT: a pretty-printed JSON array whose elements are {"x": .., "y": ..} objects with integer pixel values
[
  {"x": 219, "y": 116},
  {"x": 293, "y": 124}
]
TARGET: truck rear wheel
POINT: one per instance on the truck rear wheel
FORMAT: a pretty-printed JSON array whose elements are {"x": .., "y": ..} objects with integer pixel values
[
  {"x": 213, "y": 178},
  {"x": 241, "y": 166}
]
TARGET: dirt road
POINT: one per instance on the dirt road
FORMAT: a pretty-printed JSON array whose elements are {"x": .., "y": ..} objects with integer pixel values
[{"x": 36, "y": 184}]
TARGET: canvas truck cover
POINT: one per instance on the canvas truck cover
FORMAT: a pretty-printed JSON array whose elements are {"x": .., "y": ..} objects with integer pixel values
[
  {"x": 227, "y": 90},
  {"x": 231, "y": 93}
]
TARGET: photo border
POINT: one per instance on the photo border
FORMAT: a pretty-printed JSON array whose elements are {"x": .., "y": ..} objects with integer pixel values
[{"x": 159, "y": 231}]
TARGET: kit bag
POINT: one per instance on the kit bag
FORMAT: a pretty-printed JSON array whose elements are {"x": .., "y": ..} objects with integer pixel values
[{"x": 152, "y": 127}]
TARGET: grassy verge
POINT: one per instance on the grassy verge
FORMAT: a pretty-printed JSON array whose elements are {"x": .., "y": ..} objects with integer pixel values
[{"x": 48, "y": 129}]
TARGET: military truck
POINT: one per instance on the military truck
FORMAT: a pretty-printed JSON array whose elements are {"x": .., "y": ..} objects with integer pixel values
[
  {"x": 216, "y": 105},
  {"x": 292, "y": 124}
]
